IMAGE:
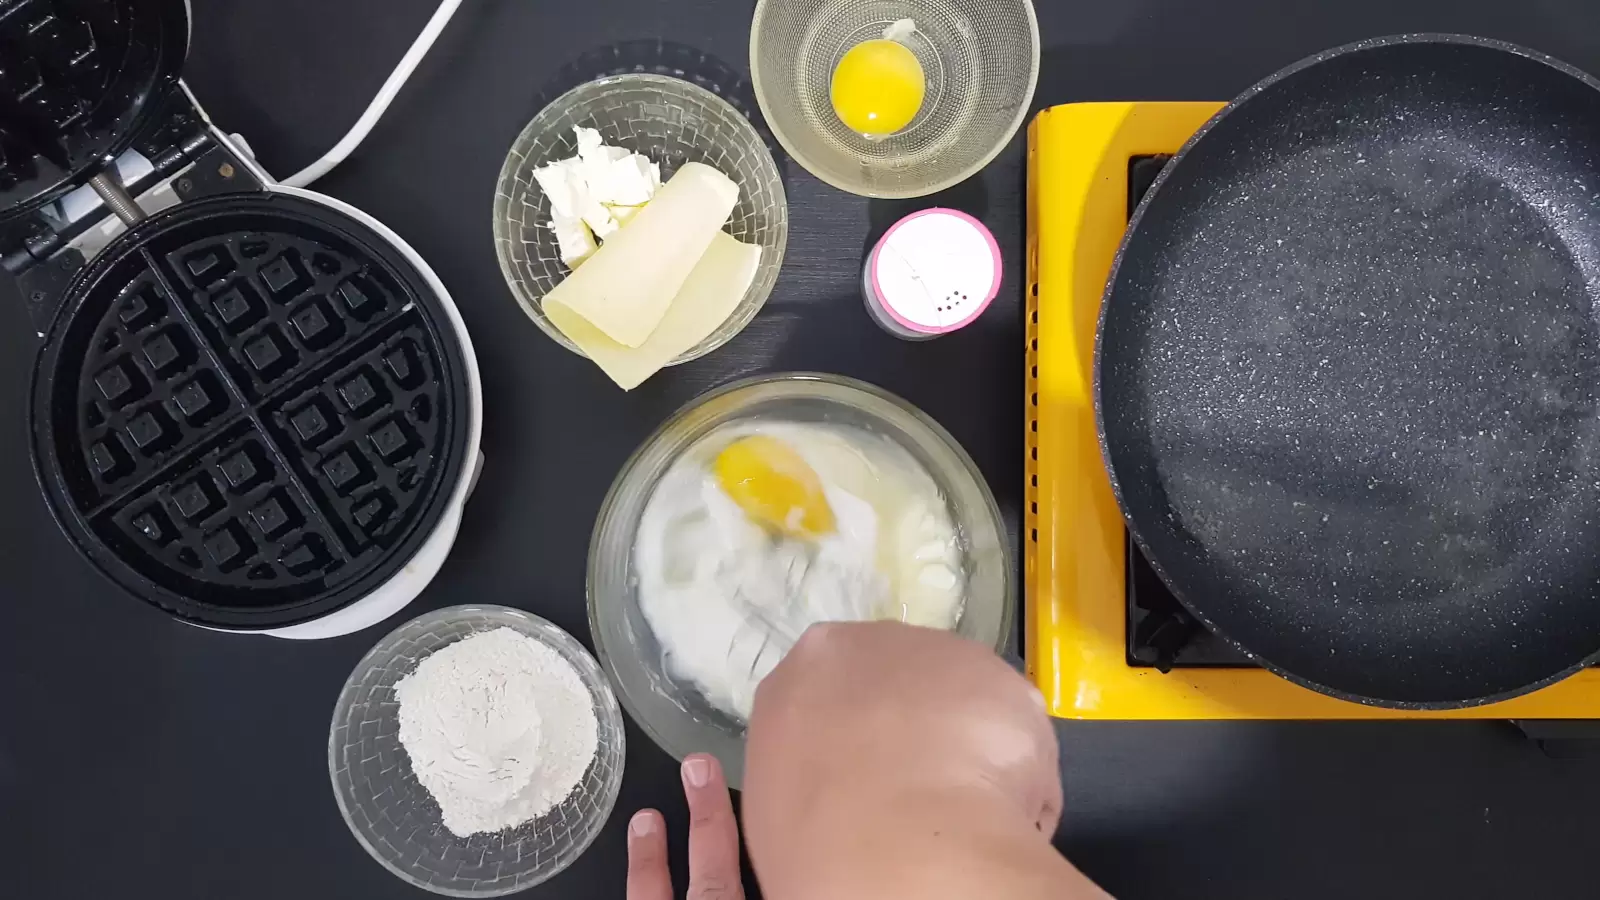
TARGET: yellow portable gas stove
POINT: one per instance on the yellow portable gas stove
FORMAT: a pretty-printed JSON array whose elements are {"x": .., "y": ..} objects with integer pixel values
[{"x": 1105, "y": 639}]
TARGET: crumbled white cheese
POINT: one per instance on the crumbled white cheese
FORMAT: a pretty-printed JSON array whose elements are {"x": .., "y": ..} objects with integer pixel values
[
  {"x": 597, "y": 217},
  {"x": 593, "y": 193},
  {"x": 589, "y": 141},
  {"x": 630, "y": 182},
  {"x": 558, "y": 182},
  {"x": 574, "y": 240},
  {"x": 900, "y": 30}
]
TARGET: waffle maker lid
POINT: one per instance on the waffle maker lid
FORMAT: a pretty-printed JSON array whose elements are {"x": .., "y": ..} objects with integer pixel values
[
  {"x": 249, "y": 409},
  {"x": 79, "y": 80}
]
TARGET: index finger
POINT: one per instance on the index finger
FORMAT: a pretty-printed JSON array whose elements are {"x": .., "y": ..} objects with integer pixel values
[{"x": 713, "y": 832}]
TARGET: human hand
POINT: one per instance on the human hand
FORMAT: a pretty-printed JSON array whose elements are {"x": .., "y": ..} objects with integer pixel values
[
  {"x": 713, "y": 841},
  {"x": 892, "y": 751},
  {"x": 886, "y": 703}
]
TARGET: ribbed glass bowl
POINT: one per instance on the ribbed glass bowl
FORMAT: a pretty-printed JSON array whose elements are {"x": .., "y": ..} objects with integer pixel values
[
  {"x": 393, "y": 815},
  {"x": 676, "y": 716},
  {"x": 980, "y": 59},
  {"x": 672, "y": 122}
]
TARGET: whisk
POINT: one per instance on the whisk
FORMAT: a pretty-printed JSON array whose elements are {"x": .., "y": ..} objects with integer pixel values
[{"x": 813, "y": 590}]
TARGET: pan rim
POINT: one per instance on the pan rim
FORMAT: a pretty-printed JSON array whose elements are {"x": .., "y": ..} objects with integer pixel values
[{"x": 1135, "y": 533}]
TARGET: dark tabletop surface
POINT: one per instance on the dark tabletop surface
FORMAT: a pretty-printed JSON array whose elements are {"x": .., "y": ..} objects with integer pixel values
[{"x": 143, "y": 758}]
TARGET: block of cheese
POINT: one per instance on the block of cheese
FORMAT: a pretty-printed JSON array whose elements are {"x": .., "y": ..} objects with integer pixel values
[
  {"x": 708, "y": 296},
  {"x": 626, "y": 286}
]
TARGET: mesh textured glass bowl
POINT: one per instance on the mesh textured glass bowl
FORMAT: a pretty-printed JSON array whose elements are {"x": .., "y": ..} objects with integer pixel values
[
  {"x": 676, "y": 716},
  {"x": 672, "y": 122},
  {"x": 980, "y": 58},
  {"x": 393, "y": 815}
]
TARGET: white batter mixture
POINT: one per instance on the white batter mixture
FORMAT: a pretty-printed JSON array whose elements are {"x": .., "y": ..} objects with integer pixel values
[{"x": 726, "y": 597}]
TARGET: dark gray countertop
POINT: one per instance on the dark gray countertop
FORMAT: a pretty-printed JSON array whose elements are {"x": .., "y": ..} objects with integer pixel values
[{"x": 144, "y": 758}]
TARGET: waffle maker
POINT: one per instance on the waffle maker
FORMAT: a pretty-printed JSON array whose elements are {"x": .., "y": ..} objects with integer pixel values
[{"x": 254, "y": 407}]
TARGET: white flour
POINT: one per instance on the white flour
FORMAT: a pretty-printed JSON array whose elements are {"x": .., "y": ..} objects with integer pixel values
[{"x": 499, "y": 728}]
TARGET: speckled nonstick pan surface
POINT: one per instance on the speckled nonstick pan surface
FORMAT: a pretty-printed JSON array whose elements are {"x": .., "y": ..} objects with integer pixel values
[{"x": 1347, "y": 372}]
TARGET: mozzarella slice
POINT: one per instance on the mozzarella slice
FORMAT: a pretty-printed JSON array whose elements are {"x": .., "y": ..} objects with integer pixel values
[
  {"x": 708, "y": 297},
  {"x": 627, "y": 286}
]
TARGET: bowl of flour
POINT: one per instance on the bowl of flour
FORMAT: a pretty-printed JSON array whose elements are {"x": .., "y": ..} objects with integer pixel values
[
  {"x": 476, "y": 751},
  {"x": 764, "y": 507}
]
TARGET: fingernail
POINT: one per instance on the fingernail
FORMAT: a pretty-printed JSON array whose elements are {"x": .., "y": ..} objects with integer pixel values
[
  {"x": 643, "y": 823},
  {"x": 697, "y": 771}
]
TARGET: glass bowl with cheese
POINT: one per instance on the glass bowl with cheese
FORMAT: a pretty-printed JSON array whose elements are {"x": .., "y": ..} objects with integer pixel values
[
  {"x": 681, "y": 655},
  {"x": 574, "y": 179}
]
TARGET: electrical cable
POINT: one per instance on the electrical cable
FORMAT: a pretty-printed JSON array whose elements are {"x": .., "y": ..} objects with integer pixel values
[{"x": 380, "y": 103}]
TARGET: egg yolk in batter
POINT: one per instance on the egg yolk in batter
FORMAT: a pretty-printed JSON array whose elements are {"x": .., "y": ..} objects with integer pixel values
[{"x": 774, "y": 486}]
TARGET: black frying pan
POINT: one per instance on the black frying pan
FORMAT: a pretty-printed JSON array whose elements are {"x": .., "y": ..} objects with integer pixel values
[{"x": 1348, "y": 371}]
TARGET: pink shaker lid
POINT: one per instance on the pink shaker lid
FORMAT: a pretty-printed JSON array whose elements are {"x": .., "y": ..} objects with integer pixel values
[{"x": 935, "y": 271}]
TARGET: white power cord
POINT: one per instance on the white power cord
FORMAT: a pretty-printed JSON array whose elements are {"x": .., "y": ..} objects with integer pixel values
[{"x": 386, "y": 94}]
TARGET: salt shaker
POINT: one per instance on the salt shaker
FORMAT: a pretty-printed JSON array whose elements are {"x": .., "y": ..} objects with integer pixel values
[{"x": 933, "y": 272}]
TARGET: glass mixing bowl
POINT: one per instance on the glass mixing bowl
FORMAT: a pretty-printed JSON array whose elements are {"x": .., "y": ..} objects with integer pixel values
[
  {"x": 393, "y": 815},
  {"x": 980, "y": 59},
  {"x": 676, "y": 716},
  {"x": 672, "y": 122}
]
